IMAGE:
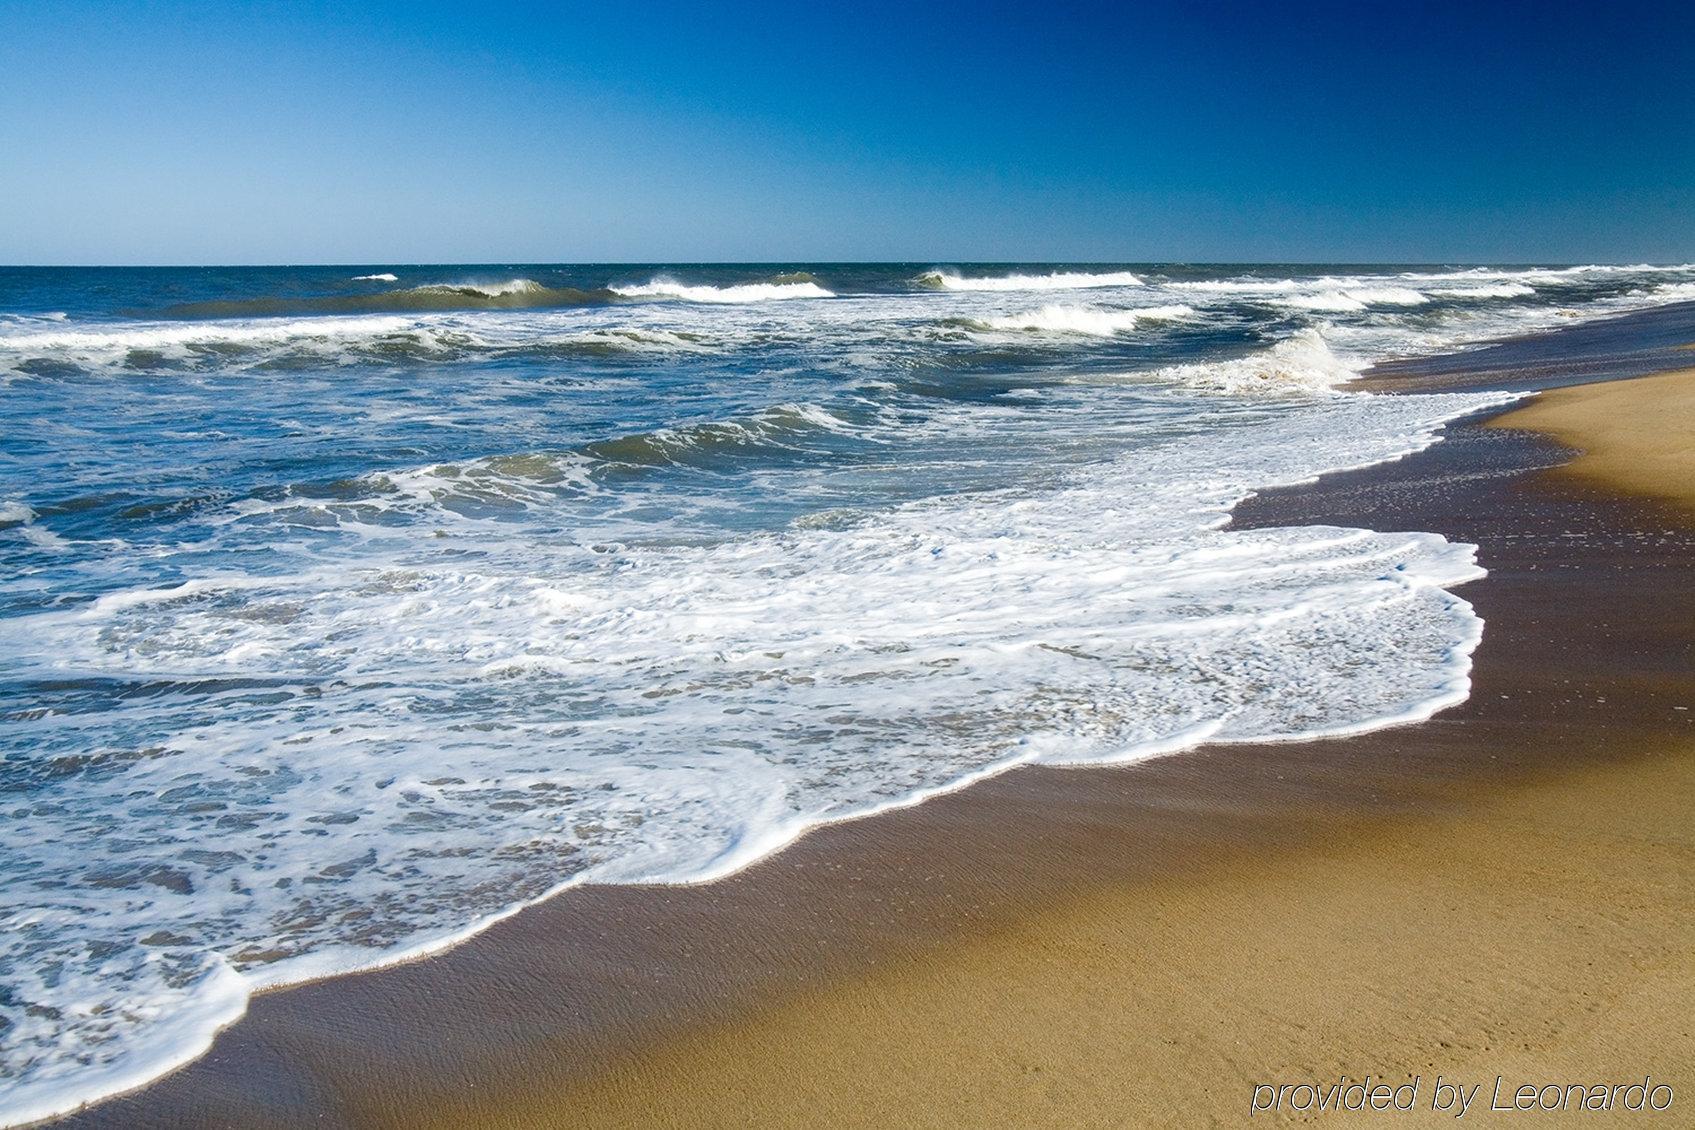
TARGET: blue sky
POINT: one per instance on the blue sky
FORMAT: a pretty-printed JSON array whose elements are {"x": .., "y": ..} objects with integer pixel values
[{"x": 306, "y": 132}]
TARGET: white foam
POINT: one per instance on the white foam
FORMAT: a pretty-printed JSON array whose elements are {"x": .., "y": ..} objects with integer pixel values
[
  {"x": 169, "y": 335},
  {"x": 1236, "y": 286},
  {"x": 1060, "y": 280},
  {"x": 1086, "y": 319},
  {"x": 746, "y": 292},
  {"x": 384, "y": 277},
  {"x": 1487, "y": 290},
  {"x": 1301, "y": 363},
  {"x": 230, "y": 345}
]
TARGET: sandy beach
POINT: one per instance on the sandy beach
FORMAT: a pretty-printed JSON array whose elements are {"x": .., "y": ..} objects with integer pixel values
[
  {"x": 841, "y": 566},
  {"x": 1503, "y": 892},
  {"x": 1636, "y": 436}
]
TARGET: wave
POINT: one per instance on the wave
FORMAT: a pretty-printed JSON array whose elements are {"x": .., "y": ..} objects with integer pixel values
[
  {"x": 384, "y": 277},
  {"x": 1237, "y": 286},
  {"x": 511, "y": 294},
  {"x": 783, "y": 287},
  {"x": 1301, "y": 363},
  {"x": 506, "y": 484},
  {"x": 1088, "y": 320},
  {"x": 1487, "y": 290},
  {"x": 1357, "y": 299},
  {"x": 1061, "y": 280},
  {"x": 15, "y": 514},
  {"x": 780, "y": 426},
  {"x": 1549, "y": 274},
  {"x": 155, "y": 336},
  {"x": 289, "y": 343}
]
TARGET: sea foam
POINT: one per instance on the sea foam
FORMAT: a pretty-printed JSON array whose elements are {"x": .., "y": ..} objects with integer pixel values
[
  {"x": 747, "y": 292},
  {"x": 1059, "y": 280},
  {"x": 1085, "y": 319}
]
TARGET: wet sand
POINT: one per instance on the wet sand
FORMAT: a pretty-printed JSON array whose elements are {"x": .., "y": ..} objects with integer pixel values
[{"x": 1506, "y": 889}]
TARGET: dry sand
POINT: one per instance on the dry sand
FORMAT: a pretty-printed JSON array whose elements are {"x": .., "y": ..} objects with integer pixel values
[{"x": 1636, "y": 436}]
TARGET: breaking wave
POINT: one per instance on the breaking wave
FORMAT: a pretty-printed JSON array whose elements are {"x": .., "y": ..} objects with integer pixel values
[
  {"x": 1060, "y": 280},
  {"x": 287, "y": 343},
  {"x": 1487, "y": 290},
  {"x": 1301, "y": 363},
  {"x": 1358, "y": 299},
  {"x": 1088, "y": 320},
  {"x": 745, "y": 292},
  {"x": 511, "y": 294}
]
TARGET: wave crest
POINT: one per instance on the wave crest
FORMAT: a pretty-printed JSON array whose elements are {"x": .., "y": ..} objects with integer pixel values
[
  {"x": 1358, "y": 298},
  {"x": 1088, "y": 320},
  {"x": 785, "y": 287},
  {"x": 511, "y": 294},
  {"x": 1301, "y": 363},
  {"x": 1061, "y": 280}
]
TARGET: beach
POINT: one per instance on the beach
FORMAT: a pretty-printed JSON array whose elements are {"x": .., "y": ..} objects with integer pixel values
[
  {"x": 1501, "y": 892},
  {"x": 813, "y": 566}
]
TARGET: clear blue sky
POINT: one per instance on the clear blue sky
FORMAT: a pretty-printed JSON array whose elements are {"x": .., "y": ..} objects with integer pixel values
[{"x": 921, "y": 129}]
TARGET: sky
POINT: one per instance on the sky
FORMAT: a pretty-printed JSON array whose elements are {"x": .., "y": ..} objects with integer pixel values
[{"x": 920, "y": 130}]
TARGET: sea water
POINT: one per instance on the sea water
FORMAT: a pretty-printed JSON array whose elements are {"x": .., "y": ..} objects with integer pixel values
[{"x": 345, "y": 610}]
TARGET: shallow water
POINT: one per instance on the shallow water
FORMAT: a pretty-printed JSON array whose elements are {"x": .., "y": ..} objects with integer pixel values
[{"x": 341, "y": 613}]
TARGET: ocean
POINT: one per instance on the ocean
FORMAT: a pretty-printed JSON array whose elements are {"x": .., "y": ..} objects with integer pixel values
[{"x": 344, "y": 610}]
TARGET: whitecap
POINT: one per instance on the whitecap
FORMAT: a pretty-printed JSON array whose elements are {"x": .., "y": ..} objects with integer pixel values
[
  {"x": 746, "y": 292},
  {"x": 1088, "y": 320},
  {"x": 1062, "y": 280}
]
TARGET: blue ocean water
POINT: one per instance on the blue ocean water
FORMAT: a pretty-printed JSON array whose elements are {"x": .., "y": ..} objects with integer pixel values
[{"x": 343, "y": 610}]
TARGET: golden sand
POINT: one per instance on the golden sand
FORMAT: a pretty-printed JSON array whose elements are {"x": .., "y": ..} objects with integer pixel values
[{"x": 1636, "y": 436}]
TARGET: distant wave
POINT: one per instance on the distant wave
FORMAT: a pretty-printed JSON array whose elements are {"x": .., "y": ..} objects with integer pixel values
[
  {"x": 1549, "y": 274},
  {"x": 1064, "y": 280},
  {"x": 1327, "y": 293},
  {"x": 157, "y": 337},
  {"x": 1237, "y": 286},
  {"x": 1083, "y": 319},
  {"x": 512, "y": 294},
  {"x": 783, "y": 287},
  {"x": 384, "y": 277},
  {"x": 1357, "y": 299},
  {"x": 292, "y": 342},
  {"x": 1488, "y": 290}
]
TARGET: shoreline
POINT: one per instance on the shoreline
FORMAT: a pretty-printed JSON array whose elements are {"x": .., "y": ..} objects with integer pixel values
[{"x": 590, "y": 1042}]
